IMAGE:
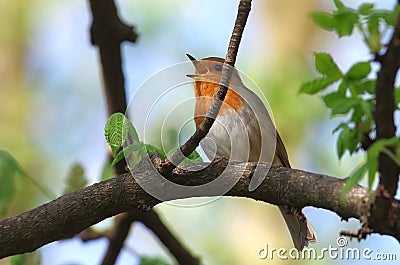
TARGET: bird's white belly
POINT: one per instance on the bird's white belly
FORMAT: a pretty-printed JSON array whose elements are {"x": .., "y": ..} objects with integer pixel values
[
  {"x": 228, "y": 137},
  {"x": 246, "y": 137}
]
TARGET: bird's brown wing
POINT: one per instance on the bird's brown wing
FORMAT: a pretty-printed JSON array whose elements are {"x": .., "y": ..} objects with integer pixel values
[
  {"x": 300, "y": 228},
  {"x": 280, "y": 152}
]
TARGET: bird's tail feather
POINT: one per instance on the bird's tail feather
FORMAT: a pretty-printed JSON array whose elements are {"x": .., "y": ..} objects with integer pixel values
[{"x": 300, "y": 228}]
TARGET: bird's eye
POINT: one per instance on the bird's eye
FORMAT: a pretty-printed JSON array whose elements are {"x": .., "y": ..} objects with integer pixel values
[{"x": 218, "y": 67}]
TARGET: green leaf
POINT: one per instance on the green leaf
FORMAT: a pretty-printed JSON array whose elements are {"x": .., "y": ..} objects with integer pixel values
[
  {"x": 369, "y": 85},
  {"x": 151, "y": 148},
  {"x": 367, "y": 107},
  {"x": 9, "y": 169},
  {"x": 339, "y": 4},
  {"x": 344, "y": 105},
  {"x": 113, "y": 131},
  {"x": 373, "y": 153},
  {"x": 392, "y": 155},
  {"x": 194, "y": 157},
  {"x": 359, "y": 71},
  {"x": 117, "y": 129},
  {"x": 354, "y": 141},
  {"x": 107, "y": 171},
  {"x": 324, "y": 20},
  {"x": 353, "y": 180},
  {"x": 152, "y": 261},
  {"x": 345, "y": 19},
  {"x": 316, "y": 85},
  {"x": 397, "y": 95},
  {"x": 372, "y": 161},
  {"x": 341, "y": 144},
  {"x": 331, "y": 99},
  {"x": 342, "y": 88},
  {"x": 76, "y": 179},
  {"x": 348, "y": 140},
  {"x": 355, "y": 88},
  {"x": 19, "y": 259},
  {"x": 129, "y": 150},
  {"x": 388, "y": 16},
  {"x": 326, "y": 65},
  {"x": 341, "y": 126},
  {"x": 391, "y": 20},
  {"x": 373, "y": 37},
  {"x": 373, "y": 25},
  {"x": 131, "y": 130},
  {"x": 365, "y": 8}
]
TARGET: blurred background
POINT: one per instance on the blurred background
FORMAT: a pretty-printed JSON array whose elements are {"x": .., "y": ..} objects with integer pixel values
[{"x": 53, "y": 113}]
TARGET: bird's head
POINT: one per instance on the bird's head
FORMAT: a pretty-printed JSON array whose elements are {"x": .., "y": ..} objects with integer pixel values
[{"x": 210, "y": 69}]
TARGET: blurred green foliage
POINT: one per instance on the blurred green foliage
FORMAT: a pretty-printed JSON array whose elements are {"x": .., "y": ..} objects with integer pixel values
[
  {"x": 355, "y": 95},
  {"x": 75, "y": 179}
]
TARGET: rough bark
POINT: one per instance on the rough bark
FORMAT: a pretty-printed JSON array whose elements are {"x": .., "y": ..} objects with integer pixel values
[{"x": 74, "y": 212}]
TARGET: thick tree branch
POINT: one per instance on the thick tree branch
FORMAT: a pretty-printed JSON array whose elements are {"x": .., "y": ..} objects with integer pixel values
[
  {"x": 74, "y": 212},
  {"x": 385, "y": 106},
  {"x": 219, "y": 96}
]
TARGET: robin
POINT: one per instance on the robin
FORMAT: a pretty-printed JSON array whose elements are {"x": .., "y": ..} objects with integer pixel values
[{"x": 242, "y": 108}]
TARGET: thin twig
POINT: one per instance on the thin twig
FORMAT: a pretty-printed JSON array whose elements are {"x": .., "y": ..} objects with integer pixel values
[
  {"x": 359, "y": 234},
  {"x": 230, "y": 59}
]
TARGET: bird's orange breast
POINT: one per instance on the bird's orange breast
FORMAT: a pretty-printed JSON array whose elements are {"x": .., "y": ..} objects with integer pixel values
[{"x": 204, "y": 92}]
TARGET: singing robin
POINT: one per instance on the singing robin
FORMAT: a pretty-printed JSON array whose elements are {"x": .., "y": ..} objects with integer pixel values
[{"x": 243, "y": 122}]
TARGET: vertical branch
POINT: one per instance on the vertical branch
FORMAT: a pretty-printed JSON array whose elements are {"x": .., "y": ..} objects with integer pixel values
[
  {"x": 382, "y": 216},
  {"x": 385, "y": 107},
  {"x": 243, "y": 13},
  {"x": 107, "y": 33}
]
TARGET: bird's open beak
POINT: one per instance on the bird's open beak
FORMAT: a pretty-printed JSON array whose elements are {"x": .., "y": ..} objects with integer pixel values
[
  {"x": 200, "y": 69},
  {"x": 194, "y": 61}
]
